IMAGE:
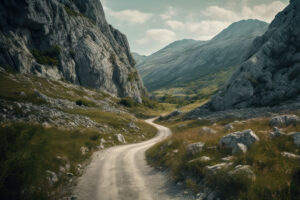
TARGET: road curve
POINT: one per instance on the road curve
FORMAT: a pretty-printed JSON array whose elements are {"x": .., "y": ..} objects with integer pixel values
[{"x": 121, "y": 173}]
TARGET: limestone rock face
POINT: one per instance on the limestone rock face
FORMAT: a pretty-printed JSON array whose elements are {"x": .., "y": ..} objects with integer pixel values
[
  {"x": 270, "y": 74},
  {"x": 70, "y": 40}
]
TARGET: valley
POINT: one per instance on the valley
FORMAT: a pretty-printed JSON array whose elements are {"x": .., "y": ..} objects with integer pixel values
[{"x": 216, "y": 117}]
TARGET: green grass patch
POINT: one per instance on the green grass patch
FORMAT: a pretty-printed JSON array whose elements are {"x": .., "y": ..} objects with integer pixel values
[
  {"x": 277, "y": 177},
  {"x": 28, "y": 150},
  {"x": 47, "y": 57}
]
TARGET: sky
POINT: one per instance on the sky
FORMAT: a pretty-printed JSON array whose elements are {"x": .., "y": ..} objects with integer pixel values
[{"x": 152, "y": 24}]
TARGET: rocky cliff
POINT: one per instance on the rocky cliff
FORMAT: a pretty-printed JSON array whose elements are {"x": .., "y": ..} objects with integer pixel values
[
  {"x": 71, "y": 40},
  {"x": 270, "y": 74}
]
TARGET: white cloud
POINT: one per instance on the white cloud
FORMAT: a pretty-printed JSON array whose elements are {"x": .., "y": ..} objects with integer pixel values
[
  {"x": 265, "y": 12},
  {"x": 169, "y": 13},
  {"x": 219, "y": 13},
  {"x": 162, "y": 36},
  {"x": 174, "y": 24},
  {"x": 206, "y": 29},
  {"x": 131, "y": 16}
]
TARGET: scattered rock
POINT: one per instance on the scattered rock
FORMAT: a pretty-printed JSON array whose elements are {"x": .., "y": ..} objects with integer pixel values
[
  {"x": 201, "y": 159},
  {"x": 227, "y": 159},
  {"x": 296, "y": 138},
  {"x": 239, "y": 148},
  {"x": 195, "y": 148},
  {"x": 208, "y": 130},
  {"x": 277, "y": 133},
  {"x": 182, "y": 126},
  {"x": 52, "y": 177},
  {"x": 214, "y": 168},
  {"x": 245, "y": 170},
  {"x": 133, "y": 126},
  {"x": 62, "y": 169},
  {"x": 70, "y": 175},
  {"x": 290, "y": 155},
  {"x": 120, "y": 138},
  {"x": 46, "y": 125},
  {"x": 84, "y": 150},
  {"x": 228, "y": 127},
  {"x": 284, "y": 120},
  {"x": 246, "y": 138}
]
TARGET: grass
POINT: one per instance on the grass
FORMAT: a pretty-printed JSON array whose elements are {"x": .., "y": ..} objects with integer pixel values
[
  {"x": 28, "y": 150},
  {"x": 47, "y": 57},
  {"x": 277, "y": 177},
  {"x": 199, "y": 90},
  {"x": 73, "y": 13}
]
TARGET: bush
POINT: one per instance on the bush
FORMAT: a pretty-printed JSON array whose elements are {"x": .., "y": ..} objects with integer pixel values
[
  {"x": 228, "y": 185},
  {"x": 84, "y": 102},
  {"x": 133, "y": 76},
  {"x": 127, "y": 102},
  {"x": 47, "y": 57}
]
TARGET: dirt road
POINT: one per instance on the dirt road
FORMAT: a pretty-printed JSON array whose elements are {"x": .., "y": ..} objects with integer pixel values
[{"x": 121, "y": 173}]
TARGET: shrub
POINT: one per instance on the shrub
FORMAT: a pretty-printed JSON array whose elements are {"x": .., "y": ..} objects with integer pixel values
[
  {"x": 73, "y": 13},
  {"x": 127, "y": 102},
  {"x": 47, "y": 57},
  {"x": 228, "y": 185},
  {"x": 84, "y": 102},
  {"x": 133, "y": 76},
  {"x": 112, "y": 58}
]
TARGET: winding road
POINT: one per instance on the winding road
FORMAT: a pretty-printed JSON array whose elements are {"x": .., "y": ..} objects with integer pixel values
[{"x": 121, "y": 173}]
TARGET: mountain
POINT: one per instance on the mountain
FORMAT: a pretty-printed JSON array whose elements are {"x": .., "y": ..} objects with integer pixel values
[
  {"x": 139, "y": 59},
  {"x": 270, "y": 74},
  {"x": 68, "y": 40},
  {"x": 183, "y": 64}
]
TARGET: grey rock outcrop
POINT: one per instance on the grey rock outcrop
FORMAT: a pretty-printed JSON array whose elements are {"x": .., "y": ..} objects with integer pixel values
[
  {"x": 207, "y": 130},
  {"x": 269, "y": 76},
  {"x": 239, "y": 141},
  {"x": 239, "y": 148},
  {"x": 277, "y": 133},
  {"x": 195, "y": 148},
  {"x": 68, "y": 40},
  {"x": 296, "y": 138},
  {"x": 120, "y": 138},
  {"x": 284, "y": 120},
  {"x": 244, "y": 170}
]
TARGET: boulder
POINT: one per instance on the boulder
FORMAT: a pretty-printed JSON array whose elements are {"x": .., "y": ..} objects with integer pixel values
[
  {"x": 84, "y": 150},
  {"x": 290, "y": 155},
  {"x": 195, "y": 148},
  {"x": 133, "y": 126},
  {"x": 239, "y": 148},
  {"x": 228, "y": 127},
  {"x": 231, "y": 141},
  {"x": 227, "y": 159},
  {"x": 201, "y": 159},
  {"x": 243, "y": 170},
  {"x": 296, "y": 138},
  {"x": 284, "y": 120},
  {"x": 277, "y": 133},
  {"x": 214, "y": 168},
  {"x": 120, "y": 138},
  {"x": 208, "y": 130},
  {"x": 52, "y": 177}
]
